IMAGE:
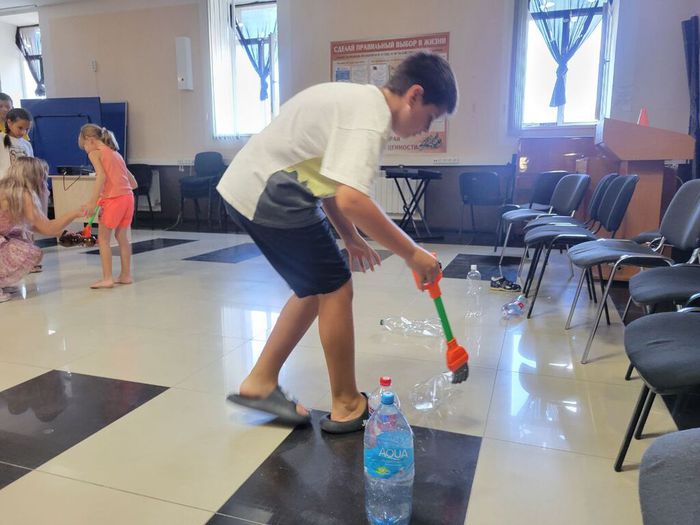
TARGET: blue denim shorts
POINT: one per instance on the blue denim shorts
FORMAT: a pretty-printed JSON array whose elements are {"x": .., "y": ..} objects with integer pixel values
[{"x": 307, "y": 258}]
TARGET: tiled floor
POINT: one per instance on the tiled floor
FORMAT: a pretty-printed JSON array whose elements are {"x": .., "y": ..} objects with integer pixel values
[{"x": 188, "y": 330}]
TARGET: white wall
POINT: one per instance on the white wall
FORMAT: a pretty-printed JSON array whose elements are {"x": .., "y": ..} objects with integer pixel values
[
  {"x": 10, "y": 63},
  {"x": 650, "y": 62},
  {"x": 133, "y": 41},
  {"x": 480, "y": 49}
]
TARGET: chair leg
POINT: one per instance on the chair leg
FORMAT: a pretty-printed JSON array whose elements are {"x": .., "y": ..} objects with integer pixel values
[
  {"x": 150, "y": 209},
  {"x": 471, "y": 211},
  {"x": 631, "y": 428},
  {"x": 588, "y": 285},
  {"x": 539, "y": 281},
  {"x": 196, "y": 213},
  {"x": 505, "y": 243},
  {"x": 461, "y": 222},
  {"x": 599, "y": 314},
  {"x": 499, "y": 230},
  {"x": 627, "y": 309},
  {"x": 592, "y": 281},
  {"x": 645, "y": 415},
  {"x": 605, "y": 304},
  {"x": 533, "y": 269},
  {"x": 628, "y": 374},
  {"x": 584, "y": 276},
  {"x": 522, "y": 262},
  {"x": 209, "y": 208}
]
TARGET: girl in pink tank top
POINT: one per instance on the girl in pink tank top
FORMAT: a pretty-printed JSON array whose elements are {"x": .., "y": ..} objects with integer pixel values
[{"x": 114, "y": 185}]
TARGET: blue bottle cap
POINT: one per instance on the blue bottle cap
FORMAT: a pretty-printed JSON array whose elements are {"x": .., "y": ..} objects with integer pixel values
[{"x": 387, "y": 398}]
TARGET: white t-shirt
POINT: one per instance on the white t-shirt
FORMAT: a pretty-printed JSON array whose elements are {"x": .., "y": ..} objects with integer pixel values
[
  {"x": 326, "y": 135},
  {"x": 18, "y": 148}
]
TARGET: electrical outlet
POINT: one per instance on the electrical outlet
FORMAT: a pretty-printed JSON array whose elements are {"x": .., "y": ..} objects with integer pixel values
[
  {"x": 444, "y": 161},
  {"x": 93, "y": 65},
  {"x": 180, "y": 165}
]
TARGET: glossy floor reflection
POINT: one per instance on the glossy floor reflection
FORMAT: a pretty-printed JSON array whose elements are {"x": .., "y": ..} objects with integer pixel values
[{"x": 157, "y": 443}]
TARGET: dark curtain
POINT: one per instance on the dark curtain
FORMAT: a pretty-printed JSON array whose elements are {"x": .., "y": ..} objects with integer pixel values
[
  {"x": 565, "y": 25},
  {"x": 258, "y": 48},
  {"x": 28, "y": 40},
  {"x": 692, "y": 66}
]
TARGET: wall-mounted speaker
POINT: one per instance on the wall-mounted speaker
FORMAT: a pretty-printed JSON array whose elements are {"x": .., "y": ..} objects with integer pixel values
[{"x": 183, "y": 54}]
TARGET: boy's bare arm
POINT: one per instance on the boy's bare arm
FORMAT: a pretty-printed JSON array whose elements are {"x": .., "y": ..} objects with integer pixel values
[
  {"x": 340, "y": 222},
  {"x": 362, "y": 211}
]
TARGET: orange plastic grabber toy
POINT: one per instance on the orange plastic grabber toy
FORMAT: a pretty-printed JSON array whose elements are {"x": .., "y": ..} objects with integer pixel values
[
  {"x": 456, "y": 356},
  {"x": 87, "y": 231}
]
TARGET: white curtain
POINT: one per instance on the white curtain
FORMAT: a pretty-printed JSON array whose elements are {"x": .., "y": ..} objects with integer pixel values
[{"x": 221, "y": 39}]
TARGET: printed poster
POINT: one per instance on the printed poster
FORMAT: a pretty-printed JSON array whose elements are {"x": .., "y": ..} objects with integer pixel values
[{"x": 373, "y": 61}]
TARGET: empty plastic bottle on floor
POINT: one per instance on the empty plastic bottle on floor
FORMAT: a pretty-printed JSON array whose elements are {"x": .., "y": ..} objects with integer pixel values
[
  {"x": 375, "y": 398},
  {"x": 421, "y": 327},
  {"x": 389, "y": 467},
  {"x": 474, "y": 292},
  {"x": 514, "y": 308},
  {"x": 431, "y": 393}
]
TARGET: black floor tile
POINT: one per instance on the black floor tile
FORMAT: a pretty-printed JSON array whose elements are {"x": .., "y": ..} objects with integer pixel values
[
  {"x": 147, "y": 246},
  {"x": 48, "y": 414},
  {"x": 234, "y": 254},
  {"x": 220, "y": 519},
  {"x": 10, "y": 473},
  {"x": 315, "y": 478},
  {"x": 486, "y": 264},
  {"x": 46, "y": 243}
]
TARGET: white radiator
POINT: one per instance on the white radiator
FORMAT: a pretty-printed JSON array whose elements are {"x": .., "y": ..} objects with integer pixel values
[{"x": 386, "y": 194}]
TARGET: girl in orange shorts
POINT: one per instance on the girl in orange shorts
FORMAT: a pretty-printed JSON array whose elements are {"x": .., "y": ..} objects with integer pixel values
[{"x": 113, "y": 191}]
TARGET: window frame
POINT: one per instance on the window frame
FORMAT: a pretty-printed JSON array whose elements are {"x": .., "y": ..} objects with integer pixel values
[
  {"x": 273, "y": 82},
  {"x": 518, "y": 67}
]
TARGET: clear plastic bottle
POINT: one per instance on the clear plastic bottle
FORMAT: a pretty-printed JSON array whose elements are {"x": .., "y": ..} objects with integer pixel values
[
  {"x": 389, "y": 465},
  {"x": 375, "y": 398},
  {"x": 408, "y": 327},
  {"x": 474, "y": 309},
  {"x": 514, "y": 308},
  {"x": 431, "y": 393}
]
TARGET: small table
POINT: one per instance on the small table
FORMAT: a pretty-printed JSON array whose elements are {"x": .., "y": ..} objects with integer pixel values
[{"x": 417, "y": 181}]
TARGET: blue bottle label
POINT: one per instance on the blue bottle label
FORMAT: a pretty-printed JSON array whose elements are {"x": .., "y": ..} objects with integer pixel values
[{"x": 388, "y": 457}]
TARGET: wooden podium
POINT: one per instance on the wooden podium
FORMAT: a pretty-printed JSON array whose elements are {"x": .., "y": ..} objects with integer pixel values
[{"x": 628, "y": 149}]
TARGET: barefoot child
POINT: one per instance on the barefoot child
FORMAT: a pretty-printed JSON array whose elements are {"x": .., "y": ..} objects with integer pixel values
[
  {"x": 113, "y": 191},
  {"x": 22, "y": 192}
]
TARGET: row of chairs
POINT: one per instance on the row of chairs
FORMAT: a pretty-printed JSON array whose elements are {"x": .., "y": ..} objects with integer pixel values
[{"x": 662, "y": 347}]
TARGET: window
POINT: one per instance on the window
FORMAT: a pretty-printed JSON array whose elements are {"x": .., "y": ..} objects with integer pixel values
[
  {"x": 535, "y": 70},
  {"x": 243, "y": 42}
]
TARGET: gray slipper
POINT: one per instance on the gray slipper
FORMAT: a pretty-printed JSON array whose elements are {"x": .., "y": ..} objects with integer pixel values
[
  {"x": 277, "y": 404},
  {"x": 345, "y": 427}
]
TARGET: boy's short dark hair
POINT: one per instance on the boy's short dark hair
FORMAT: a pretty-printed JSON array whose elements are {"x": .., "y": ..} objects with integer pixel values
[
  {"x": 6, "y": 98},
  {"x": 432, "y": 73}
]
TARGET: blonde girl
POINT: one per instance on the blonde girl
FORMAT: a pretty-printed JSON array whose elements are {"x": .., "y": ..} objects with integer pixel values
[
  {"x": 113, "y": 191},
  {"x": 22, "y": 193}
]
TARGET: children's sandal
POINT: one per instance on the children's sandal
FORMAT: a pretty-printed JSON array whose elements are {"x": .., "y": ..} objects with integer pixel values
[{"x": 501, "y": 284}]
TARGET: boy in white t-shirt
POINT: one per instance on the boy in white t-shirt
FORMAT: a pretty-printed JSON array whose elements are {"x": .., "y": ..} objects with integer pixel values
[{"x": 313, "y": 166}]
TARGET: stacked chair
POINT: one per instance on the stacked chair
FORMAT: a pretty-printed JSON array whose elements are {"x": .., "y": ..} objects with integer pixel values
[
  {"x": 607, "y": 211},
  {"x": 566, "y": 198},
  {"x": 680, "y": 227}
]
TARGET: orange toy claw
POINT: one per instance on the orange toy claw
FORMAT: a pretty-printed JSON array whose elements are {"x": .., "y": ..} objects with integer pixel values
[{"x": 457, "y": 357}]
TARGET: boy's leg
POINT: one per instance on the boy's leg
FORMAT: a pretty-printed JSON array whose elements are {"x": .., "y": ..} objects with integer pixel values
[
  {"x": 125, "y": 256},
  {"x": 104, "y": 238},
  {"x": 335, "y": 326},
  {"x": 293, "y": 322}
]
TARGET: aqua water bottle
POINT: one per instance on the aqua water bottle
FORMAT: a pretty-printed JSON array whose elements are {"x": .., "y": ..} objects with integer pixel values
[{"x": 389, "y": 465}]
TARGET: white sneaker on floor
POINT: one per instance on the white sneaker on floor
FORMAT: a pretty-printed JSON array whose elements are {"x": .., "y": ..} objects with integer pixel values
[{"x": 5, "y": 297}]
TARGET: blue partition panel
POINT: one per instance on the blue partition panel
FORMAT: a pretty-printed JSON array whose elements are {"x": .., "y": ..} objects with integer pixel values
[
  {"x": 57, "y": 123},
  {"x": 114, "y": 118}
]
